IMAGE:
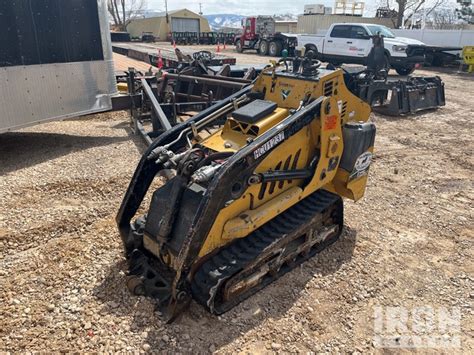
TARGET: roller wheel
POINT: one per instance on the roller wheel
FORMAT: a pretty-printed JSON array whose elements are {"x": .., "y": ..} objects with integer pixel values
[{"x": 135, "y": 285}]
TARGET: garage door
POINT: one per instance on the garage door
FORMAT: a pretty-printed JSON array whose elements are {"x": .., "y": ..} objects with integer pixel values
[{"x": 184, "y": 24}]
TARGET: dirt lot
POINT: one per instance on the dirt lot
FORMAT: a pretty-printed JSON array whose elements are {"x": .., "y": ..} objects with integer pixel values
[{"x": 408, "y": 243}]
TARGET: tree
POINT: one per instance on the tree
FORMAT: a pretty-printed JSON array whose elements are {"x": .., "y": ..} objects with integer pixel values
[
  {"x": 408, "y": 8},
  {"x": 465, "y": 13},
  {"x": 124, "y": 11},
  {"x": 444, "y": 18}
]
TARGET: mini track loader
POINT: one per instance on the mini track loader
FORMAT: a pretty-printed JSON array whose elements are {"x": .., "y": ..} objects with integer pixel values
[{"x": 257, "y": 189}]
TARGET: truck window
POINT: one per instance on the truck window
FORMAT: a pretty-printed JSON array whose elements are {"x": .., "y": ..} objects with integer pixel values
[
  {"x": 358, "y": 32},
  {"x": 378, "y": 29},
  {"x": 341, "y": 31}
]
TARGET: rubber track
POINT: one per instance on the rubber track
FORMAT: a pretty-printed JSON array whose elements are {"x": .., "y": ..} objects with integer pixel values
[{"x": 233, "y": 258}]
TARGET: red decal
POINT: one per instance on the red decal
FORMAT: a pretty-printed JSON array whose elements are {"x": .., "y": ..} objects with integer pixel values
[{"x": 330, "y": 122}]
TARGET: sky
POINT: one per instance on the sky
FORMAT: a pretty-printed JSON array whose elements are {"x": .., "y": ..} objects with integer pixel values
[
  {"x": 262, "y": 7},
  {"x": 246, "y": 7}
]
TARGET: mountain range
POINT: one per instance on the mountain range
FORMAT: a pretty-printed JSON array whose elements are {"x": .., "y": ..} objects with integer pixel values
[{"x": 218, "y": 21}]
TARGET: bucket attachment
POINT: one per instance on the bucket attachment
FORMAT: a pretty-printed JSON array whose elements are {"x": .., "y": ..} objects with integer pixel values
[
  {"x": 394, "y": 98},
  {"x": 388, "y": 96}
]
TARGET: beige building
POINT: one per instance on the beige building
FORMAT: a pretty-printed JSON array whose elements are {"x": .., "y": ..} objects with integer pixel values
[
  {"x": 315, "y": 23},
  {"x": 286, "y": 26},
  {"x": 182, "y": 20}
]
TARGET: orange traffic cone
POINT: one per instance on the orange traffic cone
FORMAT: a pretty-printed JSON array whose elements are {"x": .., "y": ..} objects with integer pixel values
[
  {"x": 174, "y": 44},
  {"x": 218, "y": 47},
  {"x": 224, "y": 45},
  {"x": 160, "y": 60}
]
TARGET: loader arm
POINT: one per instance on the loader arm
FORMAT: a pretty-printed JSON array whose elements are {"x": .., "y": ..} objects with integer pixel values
[{"x": 146, "y": 170}]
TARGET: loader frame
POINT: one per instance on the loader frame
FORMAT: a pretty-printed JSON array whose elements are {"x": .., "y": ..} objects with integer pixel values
[{"x": 235, "y": 174}]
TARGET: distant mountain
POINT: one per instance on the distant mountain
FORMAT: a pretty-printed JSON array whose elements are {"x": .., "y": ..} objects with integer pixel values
[
  {"x": 219, "y": 21},
  {"x": 285, "y": 17}
]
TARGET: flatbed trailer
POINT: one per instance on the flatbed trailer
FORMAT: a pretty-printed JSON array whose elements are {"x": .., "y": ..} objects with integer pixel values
[
  {"x": 441, "y": 55},
  {"x": 149, "y": 53}
]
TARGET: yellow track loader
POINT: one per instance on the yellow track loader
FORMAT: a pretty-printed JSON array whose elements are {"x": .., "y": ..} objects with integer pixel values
[{"x": 257, "y": 188}]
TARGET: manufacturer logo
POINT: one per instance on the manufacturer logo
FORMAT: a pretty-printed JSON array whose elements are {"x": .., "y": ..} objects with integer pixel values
[
  {"x": 363, "y": 161},
  {"x": 361, "y": 166},
  {"x": 285, "y": 93},
  {"x": 273, "y": 142}
]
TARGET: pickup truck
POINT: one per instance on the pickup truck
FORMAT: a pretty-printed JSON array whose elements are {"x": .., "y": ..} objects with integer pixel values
[{"x": 351, "y": 43}]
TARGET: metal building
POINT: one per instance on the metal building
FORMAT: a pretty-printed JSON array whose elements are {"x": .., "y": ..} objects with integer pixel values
[
  {"x": 161, "y": 25},
  {"x": 55, "y": 61},
  {"x": 315, "y": 23},
  {"x": 286, "y": 26}
]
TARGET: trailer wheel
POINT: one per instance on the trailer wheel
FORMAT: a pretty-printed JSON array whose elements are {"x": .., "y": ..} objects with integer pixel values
[
  {"x": 274, "y": 49},
  {"x": 263, "y": 48},
  {"x": 238, "y": 47}
]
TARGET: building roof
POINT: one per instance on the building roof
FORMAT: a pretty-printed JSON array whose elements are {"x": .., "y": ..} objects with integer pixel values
[{"x": 171, "y": 12}]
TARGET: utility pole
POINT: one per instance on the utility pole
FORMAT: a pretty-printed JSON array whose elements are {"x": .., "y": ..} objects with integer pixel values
[
  {"x": 166, "y": 16},
  {"x": 423, "y": 22},
  {"x": 200, "y": 8}
]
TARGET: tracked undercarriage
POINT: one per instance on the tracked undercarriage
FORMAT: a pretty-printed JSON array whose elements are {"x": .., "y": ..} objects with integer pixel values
[
  {"x": 257, "y": 188},
  {"x": 249, "y": 264}
]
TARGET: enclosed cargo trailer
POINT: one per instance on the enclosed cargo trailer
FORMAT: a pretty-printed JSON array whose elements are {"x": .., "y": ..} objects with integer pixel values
[{"x": 55, "y": 61}]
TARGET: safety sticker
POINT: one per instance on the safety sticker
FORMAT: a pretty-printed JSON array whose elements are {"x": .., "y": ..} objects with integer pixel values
[
  {"x": 361, "y": 165},
  {"x": 273, "y": 142},
  {"x": 330, "y": 122}
]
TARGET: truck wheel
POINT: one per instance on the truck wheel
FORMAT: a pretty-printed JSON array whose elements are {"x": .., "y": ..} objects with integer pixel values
[
  {"x": 274, "y": 49},
  {"x": 310, "y": 47},
  {"x": 263, "y": 48},
  {"x": 405, "y": 70},
  {"x": 238, "y": 47}
]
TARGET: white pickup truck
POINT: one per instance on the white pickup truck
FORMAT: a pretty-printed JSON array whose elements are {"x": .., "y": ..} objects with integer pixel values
[{"x": 352, "y": 42}]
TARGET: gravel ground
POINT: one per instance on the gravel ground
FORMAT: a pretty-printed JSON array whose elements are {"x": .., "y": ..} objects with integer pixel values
[{"x": 408, "y": 243}]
